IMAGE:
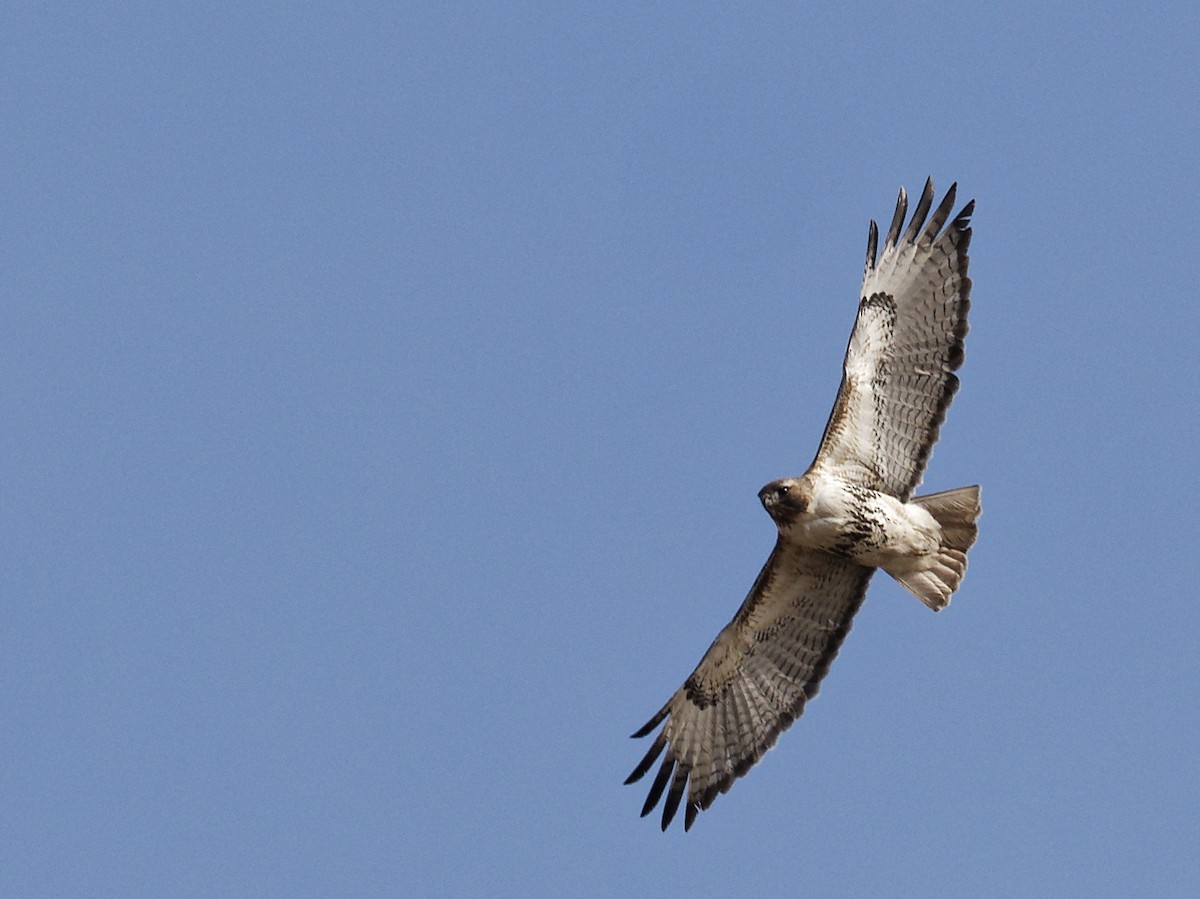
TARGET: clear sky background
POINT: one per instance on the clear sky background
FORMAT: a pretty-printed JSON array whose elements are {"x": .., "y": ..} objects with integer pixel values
[{"x": 386, "y": 392}]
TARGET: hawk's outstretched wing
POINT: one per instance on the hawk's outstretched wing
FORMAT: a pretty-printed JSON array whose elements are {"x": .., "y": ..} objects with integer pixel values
[
  {"x": 754, "y": 680},
  {"x": 898, "y": 377}
]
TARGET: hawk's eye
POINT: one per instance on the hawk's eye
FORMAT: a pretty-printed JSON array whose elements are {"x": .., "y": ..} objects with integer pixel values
[{"x": 783, "y": 490}]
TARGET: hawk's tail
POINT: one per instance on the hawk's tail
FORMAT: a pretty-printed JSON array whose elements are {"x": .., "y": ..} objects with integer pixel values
[{"x": 956, "y": 511}]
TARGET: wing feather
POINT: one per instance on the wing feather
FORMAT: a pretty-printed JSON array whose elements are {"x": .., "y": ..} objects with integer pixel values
[
  {"x": 754, "y": 680},
  {"x": 898, "y": 376},
  {"x": 897, "y": 221},
  {"x": 872, "y": 247},
  {"x": 922, "y": 210}
]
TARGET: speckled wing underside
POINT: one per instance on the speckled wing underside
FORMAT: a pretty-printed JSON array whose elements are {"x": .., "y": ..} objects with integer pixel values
[
  {"x": 898, "y": 377},
  {"x": 754, "y": 680}
]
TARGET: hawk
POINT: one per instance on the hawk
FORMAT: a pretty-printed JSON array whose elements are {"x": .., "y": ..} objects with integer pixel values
[{"x": 852, "y": 512}]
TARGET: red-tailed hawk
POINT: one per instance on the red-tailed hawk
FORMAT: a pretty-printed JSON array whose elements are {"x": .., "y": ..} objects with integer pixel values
[{"x": 850, "y": 513}]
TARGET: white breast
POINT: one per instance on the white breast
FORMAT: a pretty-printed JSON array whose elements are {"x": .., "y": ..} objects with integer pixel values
[{"x": 874, "y": 528}]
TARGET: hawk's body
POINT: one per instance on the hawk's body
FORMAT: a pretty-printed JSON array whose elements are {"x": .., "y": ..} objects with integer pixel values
[{"x": 850, "y": 513}]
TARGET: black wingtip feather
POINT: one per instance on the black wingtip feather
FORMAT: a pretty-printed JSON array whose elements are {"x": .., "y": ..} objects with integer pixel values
[
  {"x": 660, "y": 784},
  {"x": 649, "y": 759},
  {"x": 922, "y": 210},
  {"x": 962, "y": 221},
  {"x": 674, "y": 795},
  {"x": 940, "y": 215},
  {"x": 872, "y": 245},
  {"x": 649, "y": 725},
  {"x": 897, "y": 220}
]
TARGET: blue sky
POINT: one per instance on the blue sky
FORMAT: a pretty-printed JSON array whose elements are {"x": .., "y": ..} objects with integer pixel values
[{"x": 387, "y": 392}]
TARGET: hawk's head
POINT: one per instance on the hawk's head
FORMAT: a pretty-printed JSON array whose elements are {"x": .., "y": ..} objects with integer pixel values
[{"x": 785, "y": 500}]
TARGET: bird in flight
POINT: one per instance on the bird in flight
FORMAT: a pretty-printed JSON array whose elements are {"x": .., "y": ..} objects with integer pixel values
[{"x": 852, "y": 512}]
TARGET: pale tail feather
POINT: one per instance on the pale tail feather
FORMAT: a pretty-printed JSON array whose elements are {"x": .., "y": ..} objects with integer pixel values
[{"x": 956, "y": 511}]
